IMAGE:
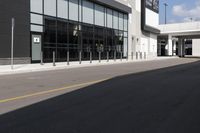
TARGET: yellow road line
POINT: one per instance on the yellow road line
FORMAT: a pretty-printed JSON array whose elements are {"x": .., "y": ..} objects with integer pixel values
[{"x": 50, "y": 91}]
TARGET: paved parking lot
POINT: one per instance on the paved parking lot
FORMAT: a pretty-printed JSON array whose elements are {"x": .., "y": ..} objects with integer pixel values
[{"x": 143, "y": 97}]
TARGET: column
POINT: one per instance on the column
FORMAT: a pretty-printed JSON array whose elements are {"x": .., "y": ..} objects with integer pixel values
[
  {"x": 181, "y": 47},
  {"x": 159, "y": 49},
  {"x": 173, "y": 47},
  {"x": 170, "y": 45}
]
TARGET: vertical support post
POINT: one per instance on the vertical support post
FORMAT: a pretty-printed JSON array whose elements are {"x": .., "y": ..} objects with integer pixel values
[
  {"x": 145, "y": 55},
  {"x": 181, "y": 47},
  {"x": 136, "y": 55},
  {"x": 90, "y": 57},
  {"x": 141, "y": 55},
  {"x": 115, "y": 55},
  {"x": 127, "y": 56},
  {"x": 67, "y": 57},
  {"x": 165, "y": 4},
  {"x": 132, "y": 55},
  {"x": 121, "y": 55},
  {"x": 12, "y": 43},
  {"x": 54, "y": 58},
  {"x": 41, "y": 58},
  {"x": 170, "y": 45},
  {"x": 80, "y": 59},
  {"x": 99, "y": 57},
  {"x": 107, "y": 56}
]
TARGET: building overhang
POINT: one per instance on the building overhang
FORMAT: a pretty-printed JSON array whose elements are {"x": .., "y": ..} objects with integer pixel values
[{"x": 181, "y": 29}]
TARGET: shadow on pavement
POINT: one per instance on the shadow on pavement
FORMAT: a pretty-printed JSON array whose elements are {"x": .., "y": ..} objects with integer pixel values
[{"x": 160, "y": 101}]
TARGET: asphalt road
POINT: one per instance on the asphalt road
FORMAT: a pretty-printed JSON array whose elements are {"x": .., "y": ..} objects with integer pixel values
[{"x": 145, "y": 97}]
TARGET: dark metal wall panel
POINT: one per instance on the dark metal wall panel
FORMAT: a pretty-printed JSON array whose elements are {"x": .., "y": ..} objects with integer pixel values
[
  {"x": 143, "y": 20},
  {"x": 19, "y": 9}
]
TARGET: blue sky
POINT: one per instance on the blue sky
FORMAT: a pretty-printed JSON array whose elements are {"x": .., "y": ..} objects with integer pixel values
[{"x": 180, "y": 10}]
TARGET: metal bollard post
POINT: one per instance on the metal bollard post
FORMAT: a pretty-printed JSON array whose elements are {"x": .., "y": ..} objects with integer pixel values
[
  {"x": 115, "y": 56},
  {"x": 141, "y": 55},
  {"x": 132, "y": 55},
  {"x": 127, "y": 56},
  {"x": 136, "y": 55},
  {"x": 107, "y": 56},
  {"x": 90, "y": 57},
  {"x": 121, "y": 54},
  {"x": 99, "y": 57},
  {"x": 80, "y": 59},
  {"x": 41, "y": 58},
  {"x": 67, "y": 57},
  {"x": 54, "y": 58}
]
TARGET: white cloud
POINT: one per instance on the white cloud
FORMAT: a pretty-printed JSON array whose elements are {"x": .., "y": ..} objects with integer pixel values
[
  {"x": 172, "y": 21},
  {"x": 183, "y": 11}
]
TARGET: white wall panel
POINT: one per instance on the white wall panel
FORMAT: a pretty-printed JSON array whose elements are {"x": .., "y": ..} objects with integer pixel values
[
  {"x": 88, "y": 12},
  {"x": 73, "y": 10},
  {"x": 36, "y": 28},
  {"x": 196, "y": 47},
  {"x": 99, "y": 15},
  {"x": 36, "y": 19},
  {"x": 121, "y": 21},
  {"x": 115, "y": 20},
  {"x": 109, "y": 18},
  {"x": 62, "y": 9},
  {"x": 152, "y": 18},
  {"x": 50, "y": 7},
  {"x": 37, "y": 6}
]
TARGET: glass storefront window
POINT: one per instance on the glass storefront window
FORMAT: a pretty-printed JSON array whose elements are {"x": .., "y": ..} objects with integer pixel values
[
  {"x": 61, "y": 54},
  {"x": 149, "y": 3},
  {"x": 80, "y": 26},
  {"x": 109, "y": 36},
  {"x": 62, "y": 34},
  {"x": 126, "y": 34},
  {"x": 121, "y": 21},
  {"x": 50, "y": 33},
  {"x": 125, "y": 22},
  {"x": 48, "y": 54},
  {"x": 153, "y": 5},
  {"x": 87, "y": 41},
  {"x": 125, "y": 47},
  {"x": 99, "y": 45},
  {"x": 156, "y": 5}
]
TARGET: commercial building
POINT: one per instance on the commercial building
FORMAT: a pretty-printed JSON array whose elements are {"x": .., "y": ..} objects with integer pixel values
[{"x": 78, "y": 29}]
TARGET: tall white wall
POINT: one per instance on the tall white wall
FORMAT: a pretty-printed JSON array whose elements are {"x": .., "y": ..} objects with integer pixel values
[
  {"x": 153, "y": 45},
  {"x": 139, "y": 41},
  {"x": 196, "y": 47}
]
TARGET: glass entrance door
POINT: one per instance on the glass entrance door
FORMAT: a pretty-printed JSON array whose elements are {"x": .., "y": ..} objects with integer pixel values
[{"x": 36, "y": 47}]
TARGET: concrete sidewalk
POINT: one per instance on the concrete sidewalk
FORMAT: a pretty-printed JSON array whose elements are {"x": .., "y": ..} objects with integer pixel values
[{"x": 25, "y": 68}]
